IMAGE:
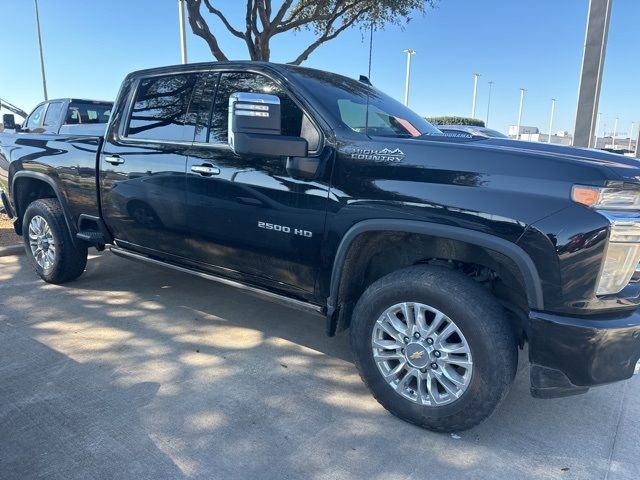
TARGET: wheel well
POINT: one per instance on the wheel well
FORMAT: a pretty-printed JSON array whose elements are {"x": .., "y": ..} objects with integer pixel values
[
  {"x": 25, "y": 191},
  {"x": 373, "y": 255}
]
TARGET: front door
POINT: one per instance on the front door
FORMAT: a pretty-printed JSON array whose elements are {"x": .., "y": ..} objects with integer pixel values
[
  {"x": 143, "y": 166},
  {"x": 248, "y": 216}
]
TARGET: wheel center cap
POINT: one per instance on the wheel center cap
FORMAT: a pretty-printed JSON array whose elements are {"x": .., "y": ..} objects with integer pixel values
[{"x": 417, "y": 355}]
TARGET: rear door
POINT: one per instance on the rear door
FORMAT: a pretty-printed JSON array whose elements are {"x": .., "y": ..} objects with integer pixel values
[
  {"x": 248, "y": 216},
  {"x": 143, "y": 165}
]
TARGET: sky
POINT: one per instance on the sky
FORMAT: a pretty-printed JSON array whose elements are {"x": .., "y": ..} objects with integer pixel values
[{"x": 90, "y": 46}]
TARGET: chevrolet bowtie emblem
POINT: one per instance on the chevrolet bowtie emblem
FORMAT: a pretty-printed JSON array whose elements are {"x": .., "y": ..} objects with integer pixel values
[{"x": 417, "y": 355}]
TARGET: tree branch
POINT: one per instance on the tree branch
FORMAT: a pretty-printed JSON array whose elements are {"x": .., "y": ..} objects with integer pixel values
[
  {"x": 329, "y": 35},
  {"x": 315, "y": 17},
  {"x": 251, "y": 46},
  {"x": 282, "y": 12},
  {"x": 226, "y": 23},
  {"x": 264, "y": 17},
  {"x": 200, "y": 28}
]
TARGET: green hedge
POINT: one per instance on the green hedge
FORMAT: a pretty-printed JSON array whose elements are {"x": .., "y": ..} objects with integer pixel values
[{"x": 455, "y": 121}]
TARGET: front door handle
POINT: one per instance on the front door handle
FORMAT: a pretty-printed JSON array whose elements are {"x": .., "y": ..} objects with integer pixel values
[
  {"x": 205, "y": 170},
  {"x": 114, "y": 160}
]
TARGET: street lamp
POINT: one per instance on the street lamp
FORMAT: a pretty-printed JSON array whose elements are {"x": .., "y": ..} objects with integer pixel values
[
  {"x": 44, "y": 78},
  {"x": 615, "y": 132},
  {"x": 409, "y": 53},
  {"x": 595, "y": 145},
  {"x": 489, "y": 103},
  {"x": 522, "y": 90},
  {"x": 183, "y": 34},
  {"x": 633, "y": 127},
  {"x": 475, "y": 94},
  {"x": 553, "y": 110}
]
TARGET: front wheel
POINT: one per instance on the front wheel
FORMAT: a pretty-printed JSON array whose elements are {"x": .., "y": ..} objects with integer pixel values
[
  {"x": 48, "y": 243},
  {"x": 434, "y": 347}
]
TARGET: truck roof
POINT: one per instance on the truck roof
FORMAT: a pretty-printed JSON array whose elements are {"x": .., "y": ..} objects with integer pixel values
[
  {"x": 280, "y": 67},
  {"x": 83, "y": 100}
]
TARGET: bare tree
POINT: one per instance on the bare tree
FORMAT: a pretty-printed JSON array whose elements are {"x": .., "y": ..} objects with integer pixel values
[{"x": 326, "y": 18}]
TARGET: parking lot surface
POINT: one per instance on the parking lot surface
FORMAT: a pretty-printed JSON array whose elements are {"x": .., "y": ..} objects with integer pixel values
[{"x": 134, "y": 372}]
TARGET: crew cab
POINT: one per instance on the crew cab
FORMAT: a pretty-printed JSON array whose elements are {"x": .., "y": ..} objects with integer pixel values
[{"x": 443, "y": 256}]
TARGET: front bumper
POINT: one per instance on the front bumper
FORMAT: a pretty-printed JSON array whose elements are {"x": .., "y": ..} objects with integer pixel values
[{"x": 569, "y": 354}]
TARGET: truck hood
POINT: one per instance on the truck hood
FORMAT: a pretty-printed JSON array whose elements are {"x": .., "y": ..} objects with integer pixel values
[{"x": 627, "y": 169}]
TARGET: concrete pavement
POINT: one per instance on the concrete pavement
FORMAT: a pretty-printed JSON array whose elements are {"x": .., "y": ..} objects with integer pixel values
[{"x": 135, "y": 372}]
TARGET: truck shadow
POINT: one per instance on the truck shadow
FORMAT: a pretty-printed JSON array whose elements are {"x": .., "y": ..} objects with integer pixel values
[{"x": 158, "y": 374}]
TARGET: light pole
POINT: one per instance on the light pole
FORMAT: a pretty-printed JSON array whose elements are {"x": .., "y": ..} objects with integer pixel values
[
  {"x": 553, "y": 110},
  {"x": 595, "y": 145},
  {"x": 409, "y": 53},
  {"x": 44, "y": 77},
  {"x": 522, "y": 90},
  {"x": 595, "y": 47},
  {"x": 633, "y": 127},
  {"x": 183, "y": 33},
  {"x": 476, "y": 76},
  {"x": 489, "y": 103},
  {"x": 615, "y": 132}
]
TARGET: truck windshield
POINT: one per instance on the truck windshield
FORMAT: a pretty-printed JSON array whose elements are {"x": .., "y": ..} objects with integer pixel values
[
  {"x": 87, "y": 112},
  {"x": 347, "y": 99}
]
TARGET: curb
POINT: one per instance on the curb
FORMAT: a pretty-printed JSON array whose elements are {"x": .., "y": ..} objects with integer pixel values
[{"x": 11, "y": 250}]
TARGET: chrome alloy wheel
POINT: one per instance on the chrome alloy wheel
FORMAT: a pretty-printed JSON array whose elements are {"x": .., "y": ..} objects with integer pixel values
[
  {"x": 422, "y": 354},
  {"x": 42, "y": 243}
]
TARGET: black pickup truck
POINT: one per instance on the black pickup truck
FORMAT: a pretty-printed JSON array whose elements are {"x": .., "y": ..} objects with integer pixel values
[{"x": 442, "y": 255}]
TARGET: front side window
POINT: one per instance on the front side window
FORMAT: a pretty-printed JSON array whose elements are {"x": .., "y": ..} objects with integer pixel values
[
  {"x": 35, "y": 118},
  {"x": 233, "y": 82},
  {"x": 52, "y": 117},
  {"x": 161, "y": 109}
]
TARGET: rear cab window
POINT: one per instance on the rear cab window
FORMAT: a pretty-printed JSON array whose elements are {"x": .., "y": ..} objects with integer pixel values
[{"x": 81, "y": 113}]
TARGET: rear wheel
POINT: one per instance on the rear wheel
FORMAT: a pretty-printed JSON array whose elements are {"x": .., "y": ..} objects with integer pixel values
[
  {"x": 48, "y": 243},
  {"x": 434, "y": 347}
]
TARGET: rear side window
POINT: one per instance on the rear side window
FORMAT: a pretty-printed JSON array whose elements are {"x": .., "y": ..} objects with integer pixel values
[
  {"x": 52, "y": 117},
  {"x": 161, "y": 109}
]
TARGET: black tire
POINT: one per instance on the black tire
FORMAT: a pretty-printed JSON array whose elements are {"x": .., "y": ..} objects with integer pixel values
[
  {"x": 69, "y": 261},
  {"x": 477, "y": 314}
]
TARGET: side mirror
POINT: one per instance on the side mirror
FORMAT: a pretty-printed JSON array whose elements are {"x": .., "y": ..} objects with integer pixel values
[
  {"x": 254, "y": 127},
  {"x": 9, "y": 121}
]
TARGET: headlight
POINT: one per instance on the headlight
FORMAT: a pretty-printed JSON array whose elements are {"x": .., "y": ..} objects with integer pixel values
[
  {"x": 623, "y": 252},
  {"x": 606, "y": 198}
]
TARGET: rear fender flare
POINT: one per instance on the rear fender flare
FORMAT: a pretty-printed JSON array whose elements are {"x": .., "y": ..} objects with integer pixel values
[{"x": 61, "y": 198}]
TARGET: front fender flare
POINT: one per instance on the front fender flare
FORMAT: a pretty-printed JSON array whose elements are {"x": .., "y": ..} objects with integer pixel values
[{"x": 527, "y": 268}]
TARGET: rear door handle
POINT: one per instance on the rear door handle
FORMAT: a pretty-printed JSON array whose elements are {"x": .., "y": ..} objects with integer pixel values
[
  {"x": 205, "y": 170},
  {"x": 114, "y": 159}
]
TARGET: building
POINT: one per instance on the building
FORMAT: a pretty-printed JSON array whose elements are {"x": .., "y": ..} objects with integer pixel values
[
  {"x": 513, "y": 129},
  {"x": 532, "y": 134}
]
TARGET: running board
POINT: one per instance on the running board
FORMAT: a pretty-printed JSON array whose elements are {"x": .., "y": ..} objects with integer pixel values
[{"x": 274, "y": 297}]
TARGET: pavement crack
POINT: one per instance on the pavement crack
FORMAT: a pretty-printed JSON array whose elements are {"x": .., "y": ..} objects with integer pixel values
[{"x": 615, "y": 433}]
